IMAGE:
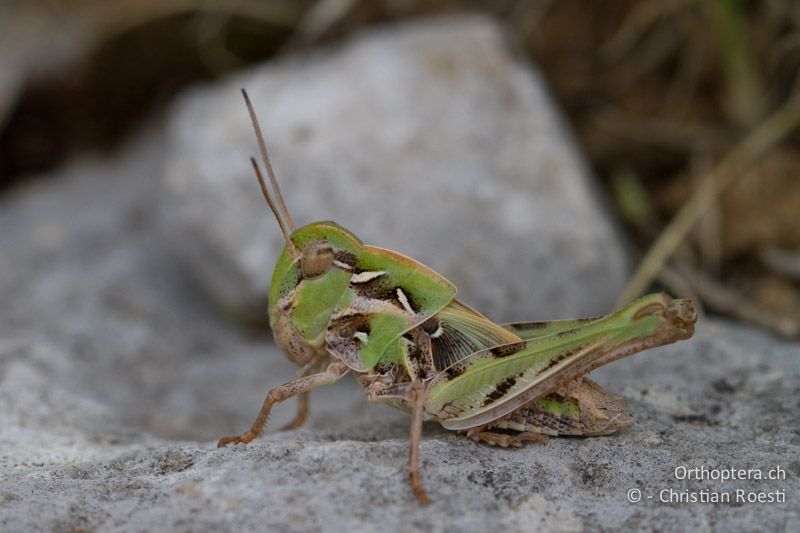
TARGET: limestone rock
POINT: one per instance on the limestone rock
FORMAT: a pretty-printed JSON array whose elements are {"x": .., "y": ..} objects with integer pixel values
[{"x": 432, "y": 139}]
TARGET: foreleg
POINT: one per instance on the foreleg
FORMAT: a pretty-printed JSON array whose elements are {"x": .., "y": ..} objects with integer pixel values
[
  {"x": 301, "y": 385},
  {"x": 302, "y": 414}
]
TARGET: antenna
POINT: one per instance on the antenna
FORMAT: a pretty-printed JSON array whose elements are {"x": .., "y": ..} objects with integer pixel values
[
  {"x": 271, "y": 204},
  {"x": 265, "y": 158}
]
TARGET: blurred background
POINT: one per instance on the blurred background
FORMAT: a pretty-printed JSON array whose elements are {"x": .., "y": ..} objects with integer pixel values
[
  {"x": 542, "y": 154},
  {"x": 686, "y": 109}
]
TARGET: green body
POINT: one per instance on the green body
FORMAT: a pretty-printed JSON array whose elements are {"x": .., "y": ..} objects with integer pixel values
[{"x": 394, "y": 321}]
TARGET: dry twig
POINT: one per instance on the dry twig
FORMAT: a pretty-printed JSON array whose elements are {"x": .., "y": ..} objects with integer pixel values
[{"x": 767, "y": 134}]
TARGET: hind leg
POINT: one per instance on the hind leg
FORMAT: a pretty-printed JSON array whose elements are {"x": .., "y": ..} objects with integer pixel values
[{"x": 503, "y": 439}]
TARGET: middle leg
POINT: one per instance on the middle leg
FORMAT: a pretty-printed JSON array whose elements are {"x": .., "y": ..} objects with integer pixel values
[{"x": 417, "y": 400}]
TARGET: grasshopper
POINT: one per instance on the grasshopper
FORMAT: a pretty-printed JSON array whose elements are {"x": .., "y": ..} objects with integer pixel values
[{"x": 339, "y": 306}]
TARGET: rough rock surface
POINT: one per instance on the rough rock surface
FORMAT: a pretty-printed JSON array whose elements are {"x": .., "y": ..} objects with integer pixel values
[
  {"x": 118, "y": 370},
  {"x": 432, "y": 139}
]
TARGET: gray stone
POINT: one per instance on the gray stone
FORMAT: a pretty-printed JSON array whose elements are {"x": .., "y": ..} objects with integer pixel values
[
  {"x": 89, "y": 270},
  {"x": 725, "y": 399},
  {"x": 432, "y": 139}
]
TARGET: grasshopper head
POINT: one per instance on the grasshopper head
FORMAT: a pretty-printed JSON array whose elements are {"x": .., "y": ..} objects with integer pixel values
[
  {"x": 312, "y": 273},
  {"x": 309, "y": 280}
]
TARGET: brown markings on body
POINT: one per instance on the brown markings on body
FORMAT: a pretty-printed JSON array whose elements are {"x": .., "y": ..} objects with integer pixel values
[
  {"x": 545, "y": 324},
  {"x": 348, "y": 325},
  {"x": 378, "y": 289},
  {"x": 420, "y": 355},
  {"x": 431, "y": 325},
  {"x": 500, "y": 390},
  {"x": 505, "y": 350},
  {"x": 343, "y": 256},
  {"x": 555, "y": 360},
  {"x": 456, "y": 370}
]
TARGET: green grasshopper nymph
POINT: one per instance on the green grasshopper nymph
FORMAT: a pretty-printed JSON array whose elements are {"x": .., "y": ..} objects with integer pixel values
[{"x": 337, "y": 305}]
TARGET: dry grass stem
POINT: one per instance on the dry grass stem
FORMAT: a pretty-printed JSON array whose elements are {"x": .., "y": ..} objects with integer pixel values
[{"x": 755, "y": 145}]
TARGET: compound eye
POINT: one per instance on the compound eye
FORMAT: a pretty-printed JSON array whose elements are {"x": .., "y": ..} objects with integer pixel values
[{"x": 316, "y": 260}]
